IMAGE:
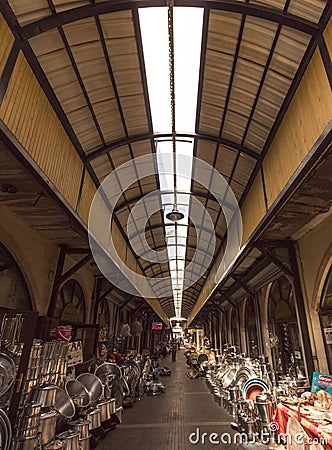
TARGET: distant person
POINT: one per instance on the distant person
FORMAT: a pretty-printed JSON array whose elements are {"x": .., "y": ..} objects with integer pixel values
[{"x": 174, "y": 350}]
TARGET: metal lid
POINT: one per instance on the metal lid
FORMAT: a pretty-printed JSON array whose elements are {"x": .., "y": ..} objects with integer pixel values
[
  {"x": 55, "y": 445},
  {"x": 47, "y": 414},
  {"x": 263, "y": 398},
  {"x": 79, "y": 422},
  {"x": 70, "y": 434}
]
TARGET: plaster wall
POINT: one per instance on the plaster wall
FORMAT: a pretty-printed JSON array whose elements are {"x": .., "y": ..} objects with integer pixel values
[
  {"x": 37, "y": 258},
  {"x": 315, "y": 259}
]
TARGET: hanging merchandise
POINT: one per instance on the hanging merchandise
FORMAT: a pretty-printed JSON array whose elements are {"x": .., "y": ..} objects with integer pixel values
[
  {"x": 63, "y": 333},
  {"x": 75, "y": 353},
  {"x": 136, "y": 328},
  {"x": 125, "y": 330}
]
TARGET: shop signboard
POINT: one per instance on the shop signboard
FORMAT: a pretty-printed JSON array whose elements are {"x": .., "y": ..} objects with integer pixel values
[
  {"x": 328, "y": 335},
  {"x": 75, "y": 353},
  {"x": 321, "y": 381}
]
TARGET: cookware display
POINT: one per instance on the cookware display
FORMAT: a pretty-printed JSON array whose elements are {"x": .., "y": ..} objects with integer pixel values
[
  {"x": 5, "y": 431},
  {"x": 43, "y": 394},
  {"x": 78, "y": 393},
  {"x": 47, "y": 426},
  {"x": 81, "y": 426},
  {"x": 93, "y": 385},
  {"x": 64, "y": 404},
  {"x": 71, "y": 440}
]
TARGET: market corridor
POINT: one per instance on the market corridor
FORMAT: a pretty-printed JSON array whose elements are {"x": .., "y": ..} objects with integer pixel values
[{"x": 165, "y": 422}]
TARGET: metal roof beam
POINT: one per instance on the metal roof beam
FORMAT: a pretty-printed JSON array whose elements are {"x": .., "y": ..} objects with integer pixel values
[
  {"x": 95, "y": 9},
  {"x": 168, "y": 136}
]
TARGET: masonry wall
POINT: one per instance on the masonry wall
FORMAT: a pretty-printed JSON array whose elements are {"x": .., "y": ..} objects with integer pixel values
[{"x": 37, "y": 258}]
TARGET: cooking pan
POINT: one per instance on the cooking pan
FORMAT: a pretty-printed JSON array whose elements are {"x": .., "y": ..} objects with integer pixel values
[
  {"x": 78, "y": 392},
  {"x": 229, "y": 377},
  {"x": 7, "y": 373},
  {"x": 64, "y": 404},
  {"x": 93, "y": 385}
]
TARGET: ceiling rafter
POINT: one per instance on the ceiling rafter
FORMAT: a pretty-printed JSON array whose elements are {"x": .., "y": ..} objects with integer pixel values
[
  {"x": 168, "y": 136},
  {"x": 95, "y": 9}
]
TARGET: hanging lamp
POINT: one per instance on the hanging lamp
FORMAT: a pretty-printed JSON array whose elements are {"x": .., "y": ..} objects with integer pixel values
[{"x": 175, "y": 215}]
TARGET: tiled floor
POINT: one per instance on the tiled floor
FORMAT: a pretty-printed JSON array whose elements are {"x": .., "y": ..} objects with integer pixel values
[{"x": 167, "y": 421}]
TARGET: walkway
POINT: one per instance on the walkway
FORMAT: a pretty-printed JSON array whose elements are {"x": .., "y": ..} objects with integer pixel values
[{"x": 165, "y": 422}]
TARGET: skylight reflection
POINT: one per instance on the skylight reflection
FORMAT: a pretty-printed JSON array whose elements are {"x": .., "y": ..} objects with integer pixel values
[{"x": 187, "y": 46}]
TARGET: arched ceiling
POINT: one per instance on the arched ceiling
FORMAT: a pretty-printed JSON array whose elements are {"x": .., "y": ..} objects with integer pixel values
[{"x": 88, "y": 57}]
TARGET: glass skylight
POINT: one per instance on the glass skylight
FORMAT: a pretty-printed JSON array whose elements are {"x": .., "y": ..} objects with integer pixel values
[{"x": 187, "y": 48}]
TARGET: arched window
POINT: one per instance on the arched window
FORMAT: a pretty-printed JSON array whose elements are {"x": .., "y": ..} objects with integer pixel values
[
  {"x": 325, "y": 314},
  {"x": 285, "y": 342},
  {"x": 70, "y": 306},
  {"x": 251, "y": 329},
  {"x": 14, "y": 293},
  {"x": 235, "y": 327},
  {"x": 103, "y": 317}
]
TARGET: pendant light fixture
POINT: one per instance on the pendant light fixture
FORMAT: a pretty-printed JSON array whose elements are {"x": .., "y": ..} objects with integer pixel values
[{"x": 175, "y": 215}]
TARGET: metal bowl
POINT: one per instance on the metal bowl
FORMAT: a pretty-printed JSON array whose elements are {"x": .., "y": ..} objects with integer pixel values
[
  {"x": 93, "y": 385},
  {"x": 78, "y": 393},
  {"x": 64, "y": 404},
  {"x": 107, "y": 372},
  {"x": 229, "y": 377},
  {"x": 43, "y": 394}
]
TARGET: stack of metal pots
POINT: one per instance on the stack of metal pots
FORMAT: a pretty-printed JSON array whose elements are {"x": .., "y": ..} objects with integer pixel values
[
  {"x": 37, "y": 423},
  {"x": 33, "y": 371},
  {"x": 45, "y": 394},
  {"x": 266, "y": 406},
  {"x": 81, "y": 427},
  {"x": 27, "y": 433}
]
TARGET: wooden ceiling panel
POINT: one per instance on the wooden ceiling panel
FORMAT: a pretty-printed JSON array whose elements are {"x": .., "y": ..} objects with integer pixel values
[
  {"x": 225, "y": 161},
  {"x": 82, "y": 32},
  {"x": 109, "y": 120},
  {"x": 29, "y": 11},
  {"x": 289, "y": 51},
  {"x": 141, "y": 148},
  {"x": 210, "y": 119},
  {"x": 257, "y": 136},
  {"x": 257, "y": 40},
  {"x": 51, "y": 42},
  {"x": 206, "y": 151},
  {"x": 235, "y": 125},
  {"x": 85, "y": 129},
  {"x": 101, "y": 166},
  {"x": 65, "y": 5},
  {"x": 120, "y": 155},
  {"x": 277, "y": 4},
  {"x": 307, "y": 9},
  {"x": 224, "y": 30}
]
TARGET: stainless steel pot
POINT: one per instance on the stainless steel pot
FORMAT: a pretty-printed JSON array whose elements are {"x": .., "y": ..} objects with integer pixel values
[
  {"x": 93, "y": 385},
  {"x": 105, "y": 410},
  {"x": 234, "y": 393},
  {"x": 78, "y": 393},
  {"x": 55, "y": 445},
  {"x": 71, "y": 440},
  {"x": 82, "y": 426},
  {"x": 28, "y": 432},
  {"x": 43, "y": 394},
  {"x": 94, "y": 417},
  {"x": 47, "y": 426},
  {"x": 266, "y": 407},
  {"x": 85, "y": 443},
  {"x": 29, "y": 421},
  {"x": 64, "y": 404},
  {"x": 25, "y": 443},
  {"x": 113, "y": 405},
  {"x": 229, "y": 377}
]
